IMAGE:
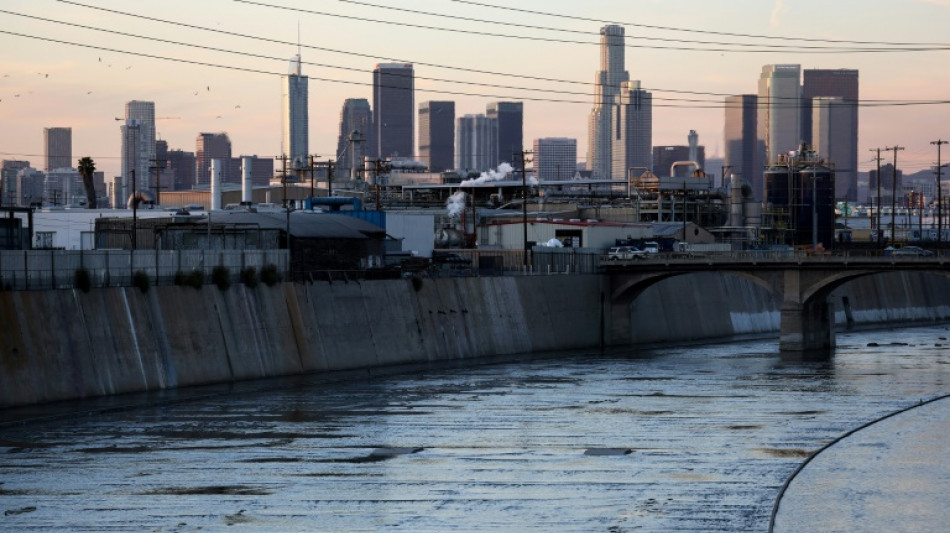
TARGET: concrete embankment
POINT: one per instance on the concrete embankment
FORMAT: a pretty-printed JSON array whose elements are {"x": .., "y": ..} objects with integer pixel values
[{"x": 65, "y": 344}]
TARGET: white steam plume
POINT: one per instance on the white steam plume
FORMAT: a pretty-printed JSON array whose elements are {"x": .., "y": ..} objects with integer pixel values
[
  {"x": 492, "y": 175},
  {"x": 455, "y": 204}
]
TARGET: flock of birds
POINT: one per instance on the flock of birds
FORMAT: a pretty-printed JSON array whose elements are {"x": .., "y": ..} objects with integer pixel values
[{"x": 45, "y": 75}]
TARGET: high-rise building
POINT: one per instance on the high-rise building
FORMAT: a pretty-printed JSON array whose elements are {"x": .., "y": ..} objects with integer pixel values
[
  {"x": 508, "y": 120},
  {"x": 843, "y": 84},
  {"x": 394, "y": 110},
  {"x": 8, "y": 182},
  {"x": 295, "y": 118},
  {"x": 437, "y": 135},
  {"x": 144, "y": 114},
  {"x": 210, "y": 146},
  {"x": 665, "y": 156},
  {"x": 744, "y": 150},
  {"x": 262, "y": 170},
  {"x": 355, "y": 139},
  {"x": 181, "y": 165},
  {"x": 57, "y": 148},
  {"x": 555, "y": 158},
  {"x": 780, "y": 113},
  {"x": 633, "y": 142},
  {"x": 607, "y": 87},
  {"x": 832, "y": 119},
  {"x": 134, "y": 174},
  {"x": 475, "y": 138}
]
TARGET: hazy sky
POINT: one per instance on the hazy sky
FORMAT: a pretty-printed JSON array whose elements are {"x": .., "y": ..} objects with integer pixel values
[{"x": 46, "y": 82}]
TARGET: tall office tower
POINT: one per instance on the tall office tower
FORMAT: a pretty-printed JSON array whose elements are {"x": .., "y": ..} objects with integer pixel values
[
  {"x": 210, "y": 146},
  {"x": 607, "y": 87},
  {"x": 474, "y": 138},
  {"x": 509, "y": 132},
  {"x": 134, "y": 174},
  {"x": 181, "y": 165},
  {"x": 780, "y": 113},
  {"x": 840, "y": 83},
  {"x": 744, "y": 150},
  {"x": 832, "y": 119},
  {"x": 393, "y": 110},
  {"x": 437, "y": 135},
  {"x": 633, "y": 143},
  {"x": 295, "y": 119},
  {"x": 665, "y": 156},
  {"x": 8, "y": 182},
  {"x": 356, "y": 117},
  {"x": 144, "y": 114},
  {"x": 58, "y": 148},
  {"x": 555, "y": 158}
]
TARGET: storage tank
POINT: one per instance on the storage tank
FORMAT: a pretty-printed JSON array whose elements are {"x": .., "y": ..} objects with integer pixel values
[{"x": 817, "y": 201}]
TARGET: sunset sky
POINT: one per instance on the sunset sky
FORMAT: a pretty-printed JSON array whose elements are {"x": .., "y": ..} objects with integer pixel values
[{"x": 215, "y": 65}]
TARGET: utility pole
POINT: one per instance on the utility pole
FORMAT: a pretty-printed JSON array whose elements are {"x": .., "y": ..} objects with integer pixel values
[
  {"x": 939, "y": 143},
  {"x": 524, "y": 203},
  {"x": 311, "y": 177},
  {"x": 135, "y": 204},
  {"x": 896, "y": 149},
  {"x": 877, "y": 224},
  {"x": 330, "y": 165}
]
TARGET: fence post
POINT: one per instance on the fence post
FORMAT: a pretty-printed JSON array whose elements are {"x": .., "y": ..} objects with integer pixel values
[{"x": 26, "y": 270}]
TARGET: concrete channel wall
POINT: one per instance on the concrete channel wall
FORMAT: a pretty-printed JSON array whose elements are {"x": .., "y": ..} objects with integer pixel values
[{"x": 65, "y": 344}]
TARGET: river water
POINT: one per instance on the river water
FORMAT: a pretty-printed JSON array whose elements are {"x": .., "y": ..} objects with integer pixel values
[{"x": 694, "y": 438}]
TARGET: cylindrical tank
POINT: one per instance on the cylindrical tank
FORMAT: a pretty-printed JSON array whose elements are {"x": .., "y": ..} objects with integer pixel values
[
  {"x": 776, "y": 187},
  {"x": 817, "y": 201},
  {"x": 215, "y": 184}
]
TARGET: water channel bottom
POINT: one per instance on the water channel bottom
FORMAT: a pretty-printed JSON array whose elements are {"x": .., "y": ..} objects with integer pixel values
[{"x": 679, "y": 439}]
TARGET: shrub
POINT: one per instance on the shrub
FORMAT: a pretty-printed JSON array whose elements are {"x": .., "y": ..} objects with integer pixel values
[
  {"x": 140, "y": 280},
  {"x": 416, "y": 282},
  {"x": 269, "y": 275},
  {"x": 196, "y": 279},
  {"x": 221, "y": 276},
  {"x": 249, "y": 277},
  {"x": 82, "y": 280}
]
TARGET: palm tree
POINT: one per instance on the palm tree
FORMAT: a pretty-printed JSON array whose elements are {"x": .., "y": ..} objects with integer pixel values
[{"x": 86, "y": 168}]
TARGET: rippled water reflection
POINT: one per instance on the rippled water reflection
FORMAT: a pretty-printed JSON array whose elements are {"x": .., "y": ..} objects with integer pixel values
[{"x": 679, "y": 439}]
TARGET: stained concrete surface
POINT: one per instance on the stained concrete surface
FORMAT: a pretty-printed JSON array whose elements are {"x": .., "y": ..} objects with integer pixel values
[
  {"x": 893, "y": 475},
  {"x": 713, "y": 432}
]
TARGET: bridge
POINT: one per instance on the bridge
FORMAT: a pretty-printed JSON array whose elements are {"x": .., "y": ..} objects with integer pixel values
[{"x": 801, "y": 284}]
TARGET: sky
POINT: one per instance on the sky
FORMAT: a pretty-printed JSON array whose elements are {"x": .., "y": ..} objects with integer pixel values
[{"x": 216, "y": 65}]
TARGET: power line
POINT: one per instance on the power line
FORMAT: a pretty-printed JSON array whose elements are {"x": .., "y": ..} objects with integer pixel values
[
  {"x": 712, "y": 104},
  {"x": 691, "y": 30},
  {"x": 512, "y": 24},
  {"x": 767, "y": 49},
  {"x": 398, "y": 60}
]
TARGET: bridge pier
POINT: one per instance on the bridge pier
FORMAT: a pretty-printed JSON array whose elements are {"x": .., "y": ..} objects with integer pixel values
[{"x": 807, "y": 319}]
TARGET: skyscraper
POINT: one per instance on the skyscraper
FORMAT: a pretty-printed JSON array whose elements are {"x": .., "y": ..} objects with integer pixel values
[
  {"x": 143, "y": 150},
  {"x": 832, "y": 119},
  {"x": 437, "y": 135},
  {"x": 607, "y": 87},
  {"x": 555, "y": 158},
  {"x": 780, "y": 109},
  {"x": 210, "y": 146},
  {"x": 58, "y": 148},
  {"x": 665, "y": 156},
  {"x": 394, "y": 110},
  {"x": 744, "y": 150},
  {"x": 508, "y": 120},
  {"x": 633, "y": 142},
  {"x": 295, "y": 118},
  {"x": 843, "y": 84},
  {"x": 475, "y": 138},
  {"x": 134, "y": 170},
  {"x": 356, "y": 117}
]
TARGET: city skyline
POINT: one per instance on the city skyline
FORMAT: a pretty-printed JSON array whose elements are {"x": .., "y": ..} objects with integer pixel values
[{"x": 85, "y": 88}]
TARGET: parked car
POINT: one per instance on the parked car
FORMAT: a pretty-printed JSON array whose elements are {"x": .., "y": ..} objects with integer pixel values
[
  {"x": 625, "y": 253},
  {"x": 912, "y": 251}
]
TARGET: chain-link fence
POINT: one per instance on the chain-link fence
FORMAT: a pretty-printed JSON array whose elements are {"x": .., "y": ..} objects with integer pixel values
[{"x": 56, "y": 269}]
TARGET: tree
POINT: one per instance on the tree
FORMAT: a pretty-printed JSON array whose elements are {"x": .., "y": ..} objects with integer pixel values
[{"x": 86, "y": 169}]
